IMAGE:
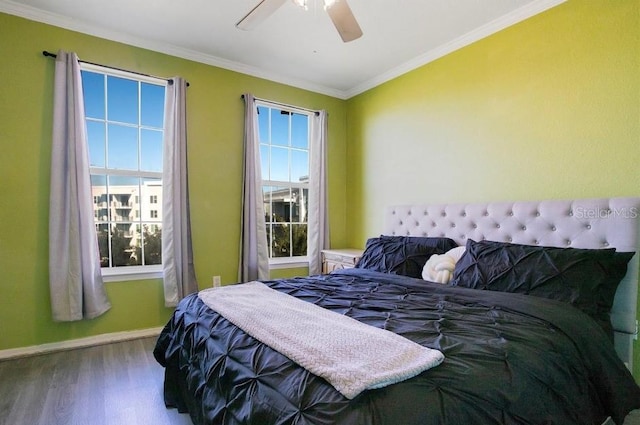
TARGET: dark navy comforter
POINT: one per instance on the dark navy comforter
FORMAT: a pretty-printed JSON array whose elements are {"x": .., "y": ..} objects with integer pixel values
[{"x": 509, "y": 359}]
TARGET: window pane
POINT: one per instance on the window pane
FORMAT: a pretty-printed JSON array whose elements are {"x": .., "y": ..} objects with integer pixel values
[
  {"x": 304, "y": 206},
  {"x": 99, "y": 193},
  {"x": 299, "y": 205},
  {"x": 299, "y": 166},
  {"x": 93, "y": 89},
  {"x": 136, "y": 238},
  {"x": 123, "y": 249},
  {"x": 300, "y": 131},
  {"x": 279, "y": 128},
  {"x": 263, "y": 124},
  {"x": 96, "y": 134},
  {"x": 152, "y": 237},
  {"x": 281, "y": 204},
  {"x": 266, "y": 191},
  {"x": 122, "y": 191},
  {"x": 280, "y": 244},
  {"x": 152, "y": 105},
  {"x": 279, "y": 164},
  {"x": 122, "y": 100},
  {"x": 103, "y": 243},
  {"x": 151, "y": 191},
  {"x": 123, "y": 147},
  {"x": 269, "y": 241},
  {"x": 151, "y": 150},
  {"x": 134, "y": 201},
  {"x": 299, "y": 239},
  {"x": 264, "y": 161}
]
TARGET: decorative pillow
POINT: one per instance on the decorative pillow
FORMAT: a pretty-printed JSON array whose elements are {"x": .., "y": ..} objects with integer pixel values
[
  {"x": 439, "y": 267},
  {"x": 585, "y": 278},
  {"x": 403, "y": 255}
]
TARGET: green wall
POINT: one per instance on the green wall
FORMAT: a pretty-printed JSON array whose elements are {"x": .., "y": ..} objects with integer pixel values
[
  {"x": 215, "y": 126},
  {"x": 548, "y": 108}
]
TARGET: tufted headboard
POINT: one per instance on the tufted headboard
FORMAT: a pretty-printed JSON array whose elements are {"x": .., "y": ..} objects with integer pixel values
[{"x": 579, "y": 223}]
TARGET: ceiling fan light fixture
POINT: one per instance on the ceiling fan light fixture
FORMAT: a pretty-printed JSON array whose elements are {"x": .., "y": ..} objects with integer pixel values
[
  {"x": 338, "y": 10},
  {"x": 328, "y": 4},
  {"x": 301, "y": 3}
]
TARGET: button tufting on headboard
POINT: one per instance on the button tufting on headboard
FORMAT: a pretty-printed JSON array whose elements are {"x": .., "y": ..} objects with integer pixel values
[{"x": 581, "y": 223}]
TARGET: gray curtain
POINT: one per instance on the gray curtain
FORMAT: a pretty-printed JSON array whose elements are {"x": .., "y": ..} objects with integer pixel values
[
  {"x": 254, "y": 253},
  {"x": 177, "y": 253},
  {"x": 75, "y": 279},
  {"x": 318, "y": 231}
]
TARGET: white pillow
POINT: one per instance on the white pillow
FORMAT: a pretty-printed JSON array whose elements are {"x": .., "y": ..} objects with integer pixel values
[{"x": 439, "y": 268}]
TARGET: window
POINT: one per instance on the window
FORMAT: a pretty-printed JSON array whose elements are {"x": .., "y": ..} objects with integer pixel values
[
  {"x": 124, "y": 120},
  {"x": 284, "y": 153}
]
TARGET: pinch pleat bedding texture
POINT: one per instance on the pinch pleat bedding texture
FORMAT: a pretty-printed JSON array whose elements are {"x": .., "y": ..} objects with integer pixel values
[
  {"x": 349, "y": 354},
  {"x": 507, "y": 357}
]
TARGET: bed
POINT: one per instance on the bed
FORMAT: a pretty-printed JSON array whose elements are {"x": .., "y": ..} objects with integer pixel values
[{"x": 512, "y": 354}]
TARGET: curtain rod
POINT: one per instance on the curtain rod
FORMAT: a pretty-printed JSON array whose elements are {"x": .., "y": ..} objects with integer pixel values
[
  {"x": 285, "y": 105},
  {"x": 169, "y": 80}
]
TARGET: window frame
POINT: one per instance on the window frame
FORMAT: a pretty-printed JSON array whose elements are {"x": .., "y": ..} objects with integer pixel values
[
  {"x": 289, "y": 261},
  {"x": 137, "y": 272}
]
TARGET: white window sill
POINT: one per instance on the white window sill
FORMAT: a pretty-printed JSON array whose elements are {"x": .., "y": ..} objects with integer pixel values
[
  {"x": 122, "y": 274},
  {"x": 288, "y": 263}
]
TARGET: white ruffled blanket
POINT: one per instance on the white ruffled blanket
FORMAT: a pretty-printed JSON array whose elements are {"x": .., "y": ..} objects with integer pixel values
[{"x": 350, "y": 355}]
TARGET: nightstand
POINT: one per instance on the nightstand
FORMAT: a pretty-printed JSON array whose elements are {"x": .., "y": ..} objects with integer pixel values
[{"x": 336, "y": 259}]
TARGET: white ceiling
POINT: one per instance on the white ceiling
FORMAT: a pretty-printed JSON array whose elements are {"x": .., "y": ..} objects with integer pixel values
[{"x": 293, "y": 46}]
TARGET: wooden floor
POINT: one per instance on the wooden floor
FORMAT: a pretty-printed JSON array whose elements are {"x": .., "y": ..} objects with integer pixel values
[{"x": 113, "y": 384}]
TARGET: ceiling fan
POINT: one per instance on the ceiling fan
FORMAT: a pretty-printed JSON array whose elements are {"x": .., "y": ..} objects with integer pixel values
[{"x": 338, "y": 10}]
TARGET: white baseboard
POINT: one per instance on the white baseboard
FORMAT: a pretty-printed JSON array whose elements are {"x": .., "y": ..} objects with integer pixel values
[{"x": 33, "y": 350}]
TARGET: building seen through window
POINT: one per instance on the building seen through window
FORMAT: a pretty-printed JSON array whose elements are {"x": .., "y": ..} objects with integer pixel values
[
  {"x": 284, "y": 155},
  {"x": 124, "y": 119}
]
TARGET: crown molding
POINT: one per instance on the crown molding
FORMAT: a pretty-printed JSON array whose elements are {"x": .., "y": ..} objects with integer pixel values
[
  {"x": 477, "y": 34},
  {"x": 525, "y": 12},
  {"x": 38, "y": 15}
]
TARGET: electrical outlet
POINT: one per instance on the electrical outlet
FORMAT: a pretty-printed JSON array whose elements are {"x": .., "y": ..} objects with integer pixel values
[{"x": 216, "y": 281}]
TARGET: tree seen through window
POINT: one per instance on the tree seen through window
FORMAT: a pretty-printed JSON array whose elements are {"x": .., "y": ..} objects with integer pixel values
[
  {"x": 284, "y": 153},
  {"x": 124, "y": 121}
]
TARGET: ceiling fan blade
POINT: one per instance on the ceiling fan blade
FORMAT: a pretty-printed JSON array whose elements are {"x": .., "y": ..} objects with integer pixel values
[
  {"x": 262, "y": 11},
  {"x": 344, "y": 21}
]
